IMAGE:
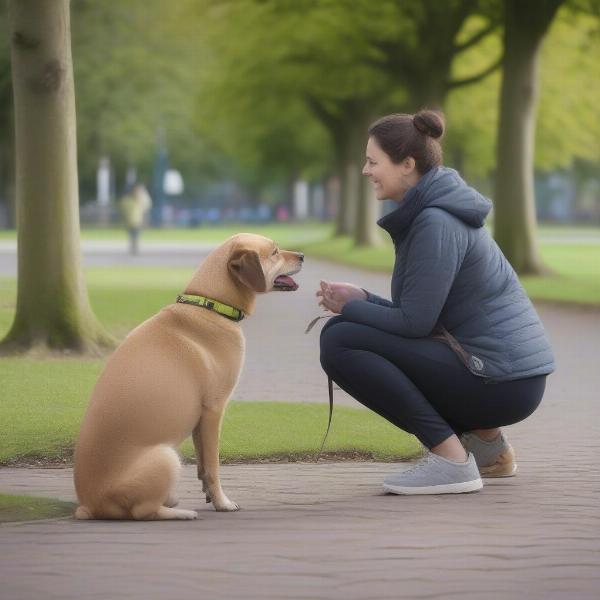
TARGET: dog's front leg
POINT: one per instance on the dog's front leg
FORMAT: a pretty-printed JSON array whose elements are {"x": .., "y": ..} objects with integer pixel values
[
  {"x": 210, "y": 430},
  {"x": 196, "y": 437}
]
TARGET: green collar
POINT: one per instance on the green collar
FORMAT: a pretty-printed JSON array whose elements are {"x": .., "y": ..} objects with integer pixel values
[{"x": 234, "y": 314}]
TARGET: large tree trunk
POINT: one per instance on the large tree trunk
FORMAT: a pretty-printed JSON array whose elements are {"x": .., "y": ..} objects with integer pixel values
[
  {"x": 526, "y": 24},
  {"x": 52, "y": 304}
]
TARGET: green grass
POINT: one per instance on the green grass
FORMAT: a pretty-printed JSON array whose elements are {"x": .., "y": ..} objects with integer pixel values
[
  {"x": 27, "y": 508},
  {"x": 287, "y": 235},
  {"x": 576, "y": 267},
  {"x": 43, "y": 402}
]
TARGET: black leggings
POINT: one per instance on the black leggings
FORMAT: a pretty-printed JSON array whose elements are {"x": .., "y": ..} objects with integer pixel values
[{"x": 420, "y": 384}]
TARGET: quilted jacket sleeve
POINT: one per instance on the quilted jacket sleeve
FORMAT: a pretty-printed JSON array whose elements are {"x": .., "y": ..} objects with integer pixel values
[
  {"x": 375, "y": 299},
  {"x": 436, "y": 246}
]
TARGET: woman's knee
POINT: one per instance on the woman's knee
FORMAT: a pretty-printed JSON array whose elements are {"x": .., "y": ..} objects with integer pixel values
[
  {"x": 331, "y": 322},
  {"x": 335, "y": 338}
]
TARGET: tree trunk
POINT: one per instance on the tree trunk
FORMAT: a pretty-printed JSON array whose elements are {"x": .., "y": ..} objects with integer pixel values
[
  {"x": 352, "y": 184},
  {"x": 53, "y": 310},
  {"x": 340, "y": 217},
  {"x": 367, "y": 207},
  {"x": 346, "y": 207},
  {"x": 369, "y": 211},
  {"x": 514, "y": 200}
]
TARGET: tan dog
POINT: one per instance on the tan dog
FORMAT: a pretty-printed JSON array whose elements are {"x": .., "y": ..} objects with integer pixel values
[{"x": 171, "y": 377}]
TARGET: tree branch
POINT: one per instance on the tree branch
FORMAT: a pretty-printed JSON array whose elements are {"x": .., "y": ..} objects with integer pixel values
[
  {"x": 458, "y": 48},
  {"x": 475, "y": 78}
]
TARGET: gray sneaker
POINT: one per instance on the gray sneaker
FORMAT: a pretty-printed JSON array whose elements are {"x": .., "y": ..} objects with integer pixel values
[
  {"x": 495, "y": 458},
  {"x": 435, "y": 475}
]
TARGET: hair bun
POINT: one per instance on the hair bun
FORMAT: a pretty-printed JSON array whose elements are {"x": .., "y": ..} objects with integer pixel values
[{"x": 429, "y": 122}]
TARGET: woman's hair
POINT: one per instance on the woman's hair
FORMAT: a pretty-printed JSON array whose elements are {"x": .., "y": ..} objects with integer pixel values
[{"x": 401, "y": 135}]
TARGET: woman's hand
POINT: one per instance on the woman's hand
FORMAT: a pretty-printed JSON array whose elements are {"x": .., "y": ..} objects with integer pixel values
[{"x": 333, "y": 295}]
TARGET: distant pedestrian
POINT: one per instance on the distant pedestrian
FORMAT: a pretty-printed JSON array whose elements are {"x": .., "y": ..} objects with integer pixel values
[
  {"x": 134, "y": 207},
  {"x": 459, "y": 351}
]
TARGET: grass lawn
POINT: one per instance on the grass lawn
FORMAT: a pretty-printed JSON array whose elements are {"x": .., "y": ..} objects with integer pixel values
[
  {"x": 28, "y": 508},
  {"x": 576, "y": 267},
  {"x": 282, "y": 233},
  {"x": 42, "y": 401}
]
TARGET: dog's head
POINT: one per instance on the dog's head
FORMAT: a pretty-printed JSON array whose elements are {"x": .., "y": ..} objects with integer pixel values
[{"x": 259, "y": 264}]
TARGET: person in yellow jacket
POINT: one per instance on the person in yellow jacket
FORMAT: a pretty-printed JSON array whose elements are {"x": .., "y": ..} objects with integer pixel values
[{"x": 134, "y": 207}]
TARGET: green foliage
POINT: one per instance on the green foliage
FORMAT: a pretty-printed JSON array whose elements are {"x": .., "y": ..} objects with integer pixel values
[
  {"x": 252, "y": 90},
  {"x": 568, "y": 126},
  {"x": 472, "y": 111},
  {"x": 135, "y": 74},
  {"x": 569, "y": 119},
  {"x": 271, "y": 62}
]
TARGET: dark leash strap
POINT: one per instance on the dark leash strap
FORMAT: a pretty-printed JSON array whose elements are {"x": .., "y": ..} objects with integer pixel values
[{"x": 329, "y": 386}]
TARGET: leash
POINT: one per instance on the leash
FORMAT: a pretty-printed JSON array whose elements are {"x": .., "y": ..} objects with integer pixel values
[{"x": 329, "y": 387}]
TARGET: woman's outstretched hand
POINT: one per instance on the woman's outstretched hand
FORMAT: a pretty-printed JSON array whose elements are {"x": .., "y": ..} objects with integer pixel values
[{"x": 334, "y": 294}]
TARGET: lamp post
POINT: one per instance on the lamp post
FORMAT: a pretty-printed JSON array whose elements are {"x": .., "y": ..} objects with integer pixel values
[{"x": 160, "y": 167}]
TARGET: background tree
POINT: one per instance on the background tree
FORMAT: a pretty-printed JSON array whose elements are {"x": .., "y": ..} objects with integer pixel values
[
  {"x": 52, "y": 304},
  {"x": 137, "y": 66},
  {"x": 525, "y": 25},
  {"x": 6, "y": 125},
  {"x": 347, "y": 66}
]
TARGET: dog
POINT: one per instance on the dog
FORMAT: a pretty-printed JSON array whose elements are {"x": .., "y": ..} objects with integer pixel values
[{"x": 170, "y": 378}]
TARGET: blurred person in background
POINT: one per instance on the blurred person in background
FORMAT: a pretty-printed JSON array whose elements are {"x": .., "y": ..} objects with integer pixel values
[
  {"x": 134, "y": 207},
  {"x": 459, "y": 351}
]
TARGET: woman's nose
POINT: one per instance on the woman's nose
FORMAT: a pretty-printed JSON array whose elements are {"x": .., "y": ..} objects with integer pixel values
[{"x": 365, "y": 170}]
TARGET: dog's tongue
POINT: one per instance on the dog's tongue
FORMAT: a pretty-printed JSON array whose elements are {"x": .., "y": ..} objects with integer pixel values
[{"x": 287, "y": 281}]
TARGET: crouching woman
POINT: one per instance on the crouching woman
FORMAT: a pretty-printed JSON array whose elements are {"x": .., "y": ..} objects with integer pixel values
[{"x": 459, "y": 351}]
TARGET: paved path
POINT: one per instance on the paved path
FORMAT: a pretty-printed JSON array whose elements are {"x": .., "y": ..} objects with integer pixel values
[{"x": 325, "y": 531}]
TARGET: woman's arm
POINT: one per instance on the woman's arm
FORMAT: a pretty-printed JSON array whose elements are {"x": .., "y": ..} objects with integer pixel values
[
  {"x": 375, "y": 299},
  {"x": 436, "y": 249}
]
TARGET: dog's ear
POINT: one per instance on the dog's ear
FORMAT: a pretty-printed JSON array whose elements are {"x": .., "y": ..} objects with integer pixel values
[{"x": 245, "y": 266}]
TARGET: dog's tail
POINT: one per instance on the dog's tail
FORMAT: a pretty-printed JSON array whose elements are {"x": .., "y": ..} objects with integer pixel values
[{"x": 83, "y": 512}]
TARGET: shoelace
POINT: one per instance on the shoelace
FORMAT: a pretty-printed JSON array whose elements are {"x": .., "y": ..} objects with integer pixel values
[{"x": 422, "y": 463}]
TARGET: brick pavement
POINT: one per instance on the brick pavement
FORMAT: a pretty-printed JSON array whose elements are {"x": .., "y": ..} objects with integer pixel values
[{"x": 325, "y": 531}]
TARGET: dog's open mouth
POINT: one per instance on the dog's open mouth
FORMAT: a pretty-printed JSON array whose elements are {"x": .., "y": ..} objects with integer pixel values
[{"x": 284, "y": 283}]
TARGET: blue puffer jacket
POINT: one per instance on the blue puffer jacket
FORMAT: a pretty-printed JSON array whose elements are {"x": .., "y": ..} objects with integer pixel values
[{"x": 450, "y": 274}]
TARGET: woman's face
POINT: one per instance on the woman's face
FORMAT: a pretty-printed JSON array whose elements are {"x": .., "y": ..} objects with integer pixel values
[{"x": 390, "y": 181}]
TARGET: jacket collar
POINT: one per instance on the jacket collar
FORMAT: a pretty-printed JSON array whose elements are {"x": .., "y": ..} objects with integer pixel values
[{"x": 399, "y": 220}]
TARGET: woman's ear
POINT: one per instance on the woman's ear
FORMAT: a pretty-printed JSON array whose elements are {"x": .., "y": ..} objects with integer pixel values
[
  {"x": 408, "y": 165},
  {"x": 245, "y": 266}
]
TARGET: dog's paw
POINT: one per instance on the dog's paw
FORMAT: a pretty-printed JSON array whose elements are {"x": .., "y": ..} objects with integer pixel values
[
  {"x": 187, "y": 515},
  {"x": 226, "y": 506}
]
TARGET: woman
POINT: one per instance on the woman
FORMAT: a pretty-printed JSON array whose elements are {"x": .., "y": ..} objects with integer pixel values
[{"x": 460, "y": 350}]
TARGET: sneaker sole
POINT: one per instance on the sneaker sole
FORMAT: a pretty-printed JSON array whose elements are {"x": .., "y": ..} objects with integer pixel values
[
  {"x": 505, "y": 466},
  {"x": 499, "y": 471},
  {"x": 449, "y": 488}
]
